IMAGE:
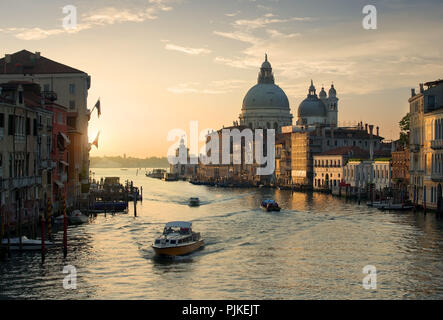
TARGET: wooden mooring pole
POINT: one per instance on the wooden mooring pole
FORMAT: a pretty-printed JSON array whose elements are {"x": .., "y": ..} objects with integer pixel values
[
  {"x": 43, "y": 236},
  {"x": 65, "y": 229},
  {"x": 135, "y": 204}
]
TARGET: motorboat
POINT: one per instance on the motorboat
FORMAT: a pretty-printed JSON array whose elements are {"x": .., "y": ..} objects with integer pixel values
[
  {"x": 27, "y": 244},
  {"x": 270, "y": 205},
  {"x": 194, "y": 202},
  {"x": 177, "y": 239},
  {"x": 395, "y": 207},
  {"x": 76, "y": 217}
]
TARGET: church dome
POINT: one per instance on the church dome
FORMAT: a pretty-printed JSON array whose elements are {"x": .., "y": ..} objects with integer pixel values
[
  {"x": 312, "y": 106},
  {"x": 266, "y": 95}
]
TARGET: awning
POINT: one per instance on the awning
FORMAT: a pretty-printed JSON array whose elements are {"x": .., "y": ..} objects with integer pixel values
[
  {"x": 65, "y": 137},
  {"x": 64, "y": 163},
  {"x": 58, "y": 183}
]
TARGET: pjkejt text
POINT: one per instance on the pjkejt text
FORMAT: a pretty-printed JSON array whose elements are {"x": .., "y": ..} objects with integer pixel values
[{"x": 230, "y": 310}]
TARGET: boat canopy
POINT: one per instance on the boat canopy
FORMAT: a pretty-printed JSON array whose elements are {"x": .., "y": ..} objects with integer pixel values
[
  {"x": 268, "y": 201},
  {"x": 178, "y": 224}
]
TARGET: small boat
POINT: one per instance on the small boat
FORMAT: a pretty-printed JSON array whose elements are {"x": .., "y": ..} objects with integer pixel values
[
  {"x": 395, "y": 207},
  {"x": 27, "y": 244},
  {"x": 194, "y": 202},
  {"x": 76, "y": 217},
  {"x": 270, "y": 205},
  {"x": 177, "y": 239}
]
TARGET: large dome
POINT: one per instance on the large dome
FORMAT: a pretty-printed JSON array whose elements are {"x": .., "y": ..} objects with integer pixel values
[{"x": 265, "y": 95}]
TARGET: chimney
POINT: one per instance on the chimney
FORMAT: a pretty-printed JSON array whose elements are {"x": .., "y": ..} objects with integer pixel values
[
  {"x": 8, "y": 58},
  {"x": 371, "y": 129},
  {"x": 37, "y": 55},
  {"x": 366, "y": 127},
  {"x": 421, "y": 88},
  {"x": 412, "y": 92},
  {"x": 378, "y": 131}
]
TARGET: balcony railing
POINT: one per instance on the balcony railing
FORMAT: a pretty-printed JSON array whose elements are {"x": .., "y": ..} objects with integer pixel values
[
  {"x": 437, "y": 177},
  {"x": 437, "y": 144}
]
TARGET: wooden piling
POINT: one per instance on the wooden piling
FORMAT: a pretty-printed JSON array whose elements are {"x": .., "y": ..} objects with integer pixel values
[
  {"x": 135, "y": 204},
  {"x": 43, "y": 236},
  {"x": 65, "y": 229}
]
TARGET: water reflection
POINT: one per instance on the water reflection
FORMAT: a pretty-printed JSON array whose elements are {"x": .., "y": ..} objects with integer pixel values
[{"x": 315, "y": 247}]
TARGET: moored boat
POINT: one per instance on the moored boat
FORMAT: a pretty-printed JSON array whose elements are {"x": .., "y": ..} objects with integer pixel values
[
  {"x": 194, "y": 202},
  {"x": 27, "y": 244},
  {"x": 270, "y": 205},
  {"x": 177, "y": 239},
  {"x": 395, "y": 207},
  {"x": 76, "y": 217}
]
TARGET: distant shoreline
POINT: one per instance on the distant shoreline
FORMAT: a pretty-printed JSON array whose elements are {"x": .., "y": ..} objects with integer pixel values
[{"x": 123, "y": 162}]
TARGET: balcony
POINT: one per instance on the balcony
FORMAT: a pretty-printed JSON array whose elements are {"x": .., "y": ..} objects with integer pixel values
[
  {"x": 22, "y": 182},
  {"x": 50, "y": 95},
  {"x": 437, "y": 144},
  {"x": 437, "y": 177}
]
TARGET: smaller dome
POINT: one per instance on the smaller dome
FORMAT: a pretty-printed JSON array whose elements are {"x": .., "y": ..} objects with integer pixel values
[
  {"x": 266, "y": 64},
  {"x": 312, "y": 107}
]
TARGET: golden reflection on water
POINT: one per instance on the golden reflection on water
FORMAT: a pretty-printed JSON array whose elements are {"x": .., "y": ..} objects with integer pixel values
[{"x": 315, "y": 248}]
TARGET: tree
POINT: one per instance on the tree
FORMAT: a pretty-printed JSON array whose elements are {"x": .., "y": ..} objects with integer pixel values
[{"x": 404, "y": 129}]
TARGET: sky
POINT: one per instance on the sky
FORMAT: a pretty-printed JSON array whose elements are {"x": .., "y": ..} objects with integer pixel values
[{"x": 159, "y": 64}]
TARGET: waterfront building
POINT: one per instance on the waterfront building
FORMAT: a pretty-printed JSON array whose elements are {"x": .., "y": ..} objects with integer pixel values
[
  {"x": 183, "y": 170},
  {"x": 363, "y": 175},
  {"x": 265, "y": 105},
  {"x": 69, "y": 87},
  {"x": 426, "y": 145},
  {"x": 21, "y": 181},
  {"x": 329, "y": 166},
  {"x": 400, "y": 172},
  {"x": 308, "y": 141},
  {"x": 283, "y": 159}
]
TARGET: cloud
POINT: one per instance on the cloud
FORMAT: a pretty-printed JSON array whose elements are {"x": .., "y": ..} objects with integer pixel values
[
  {"x": 101, "y": 17},
  {"x": 214, "y": 87},
  {"x": 187, "y": 50},
  {"x": 236, "y": 35},
  {"x": 233, "y": 14},
  {"x": 267, "y": 19}
]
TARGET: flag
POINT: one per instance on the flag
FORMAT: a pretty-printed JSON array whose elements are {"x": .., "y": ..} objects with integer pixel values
[
  {"x": 95, "y": 143},
  {"x": 97, "y": 105}
]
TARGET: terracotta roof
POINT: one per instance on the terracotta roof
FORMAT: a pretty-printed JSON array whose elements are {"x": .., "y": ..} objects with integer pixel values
[{"x": 25, "y": 62}]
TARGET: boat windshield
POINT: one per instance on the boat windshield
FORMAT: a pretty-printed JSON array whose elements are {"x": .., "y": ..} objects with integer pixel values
[{"x": 169, "y": 230}]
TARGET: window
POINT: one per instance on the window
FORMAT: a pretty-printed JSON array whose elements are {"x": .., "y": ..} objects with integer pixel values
[
  {"x": 173, "y": 241},
  {"x": 11, "y": 125},
  {"x": 157, "y": 241},
  {"x": 2, "y": 124},
  {"x": 28, "y": 126},
  {"x": 20, "y": 97},
  {"x": 46, "y": 87},
  {"x": 72, "y": 104},
  {"x": 72, "y": 88}
]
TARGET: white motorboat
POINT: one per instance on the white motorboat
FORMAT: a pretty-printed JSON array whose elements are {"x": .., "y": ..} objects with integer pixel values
[
  {"x": 76, "y": 217},
  {"x": 27, "y": 244},
  {"x": 177, "y": 239}
]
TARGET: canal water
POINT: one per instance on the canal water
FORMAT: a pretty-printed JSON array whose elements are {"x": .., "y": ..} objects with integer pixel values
[{"x": 315, "y": 248}]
